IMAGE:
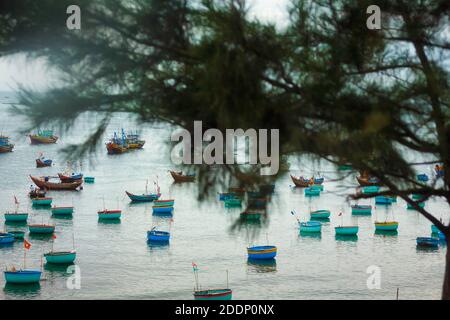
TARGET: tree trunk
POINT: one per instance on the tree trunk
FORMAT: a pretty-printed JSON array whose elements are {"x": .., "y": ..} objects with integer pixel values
[{"x": 446, "y": 286}]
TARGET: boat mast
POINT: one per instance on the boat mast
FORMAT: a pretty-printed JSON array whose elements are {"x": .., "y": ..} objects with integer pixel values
[{"x": 228, "y": 287}]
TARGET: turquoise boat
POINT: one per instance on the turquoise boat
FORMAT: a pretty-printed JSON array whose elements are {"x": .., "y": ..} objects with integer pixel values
[
  {"x": 416, "y": 196},
  {"x": 420, "y": 204},
  {"x": 311, "y": 192},
  {"x": 61, "y": 257},
  {"x": 41, "y": 228},
  {"x": 213, "y": 294},
  {"x": 16, "y": 217},
  {"x": 162, "y": 203},
  {"x": 386, "y": 226},
  {"x": 310, "y": 227},
  {"x": 320, "y": 214},
  {"x": 346, "y": 230},
  {"x": 262, "y": 252},
  {"x": 109, "y": 214},
  {"x": 427, "y": 242},
  {"x": 383, "y": 200},
  {"x": 143, "y": 197},
  {"x": 434, "y": 229},
  {"x": 345, "y": 167},
  {"x": 317, "y": 186},
  {"x": 22, "y": 276},
  {"x": 370, "y": 189},
  {"x": 42, "y": 201},
  {"x": 62, "y": 210},
  {"x": 361, "y": 210},
  {"x": 89, "y": 179},
  {"x": 441, "y": 236},
  {"x": 233, "y": 202}
]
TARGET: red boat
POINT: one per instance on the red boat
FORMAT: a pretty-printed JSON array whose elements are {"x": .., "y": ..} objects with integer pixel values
[
  {"x": 43, "y": 163},
  {"x": 73, "y": 178},
  {"x": 43, "y": 184}
]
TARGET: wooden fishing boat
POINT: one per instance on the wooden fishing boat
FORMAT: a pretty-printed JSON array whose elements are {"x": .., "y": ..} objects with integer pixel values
[
  {"x": 420, "y": 204},
  {"x": 43, "y": 137},
  {"x": 310, "y": 227},
  {"x": 262, "y": 252},
  {"x": 17, "y": 234},
  {"x": 41, "y": 228},
  {"x": 133, "y": 140},
  {"x": 213, "y": 294},
  {"x": 361, "y": 209},
  {"x": 367, "y": 181},
  {"x": 6, "y": 238},
  {"x": 320, "y": 214},
  {"x": 383, "y": 200},
  {"x": 346, "y": 230},
  {"x": 439, "y": 170},
  {"x": 5, "y": 146},
  {"x": 43, "y": 184},
  {"x": 422, "y": 177},
  {"x": 22, "y": 276},
  {"x": 311, "y": 192},
  {"x": 114, "y": 148},
  {"x": 41, "y": 163},
  {"x": 179, "y": 177},
  {"x": 89, "y": 179},
  {"x": 60, "y": 257},
  {"x": 144, "y": 197},
  {"x": 37, "y": 193},
  {"x": 16, "y": 217},
  {"x": 427, "y": 242},
  {"x": 162, "y": 209},
  {"x": 158, "y": 236},
  {"x": 370, "y": 189},
  {"x": 162, "y": 203},
  {"x": 300, "y": 182},
  {"x": 62, "y": 210},
  {"x": 42, "y": 201},
  {"x": 386, "y": 226},
  {"x": 109, "y": 214},
  {"x": 72, "y": 178}
]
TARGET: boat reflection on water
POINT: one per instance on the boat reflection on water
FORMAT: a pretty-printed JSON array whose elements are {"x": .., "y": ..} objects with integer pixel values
[
  {"x": 261, "y": 266},
  {"x": 106, "y": 221},
  {"x": 28, "y": 291},
  {"x": 386, "y": 233},
  {"x": 58, "y": 269},
  {"x": 348, "y": 238},
  {"x": 16, "y": 223},
  {"x": 311, "y": 235}
]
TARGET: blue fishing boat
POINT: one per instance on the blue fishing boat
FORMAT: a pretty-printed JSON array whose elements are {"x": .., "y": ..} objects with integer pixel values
[
  {"x": 422, "y": 177},
  {"x": 318, "y": 181},
  {"x": 61, "y": 257},
  {"x": 383, "y": 200},
  {"x": 143, "y": 198},
  {"x": 6, "y": 238},
  {"x": 22, "y": 276},
  {"x": 158, "y": 236},
  {"x": 427, "y": 242},
  {"x": 346, "y": 230},
  {"x": 434, "y": 229},
  {"x": 320, "y": 214},
  {"x": 310, "y": 227},
  {"x": 41, "y": 228},
  {"x": 370, "y": 189},
  {"x": 16, "y": 217},
  {"x": 386, "y": 226},
  {"x": 311, "y": 192},
  {"x": 162, "y": 209},
  {"x": 5, "y": 146},
  {"x": 262, "y": 252},
  {"x": 361, "y": 210},
  {"x": 439, "y": 169},
  {"x": 420, "y": 204},
  {"x": 62, "y": 211},
  {"x": 89, "y": 179},
  {"x": 42, "y": 201},
  {"x": 441, "y": 236}
]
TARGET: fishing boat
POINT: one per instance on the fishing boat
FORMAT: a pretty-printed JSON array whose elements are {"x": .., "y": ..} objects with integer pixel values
[
  {"x": 158, "y": 236},
  {"x": 70, "y": 178},
  {"x": 41, "y": 228},
  {"x": 320, "y": 214},
  {"x": 251, "y": 215},
  {"x": 42, "y": 201},
  {"x": 319, "y": 187},
  {"x": 386, "y": 226},
  {"x": 62, "y": 210},
  {"x": 311, "y": 192},
  {"x": 310, "y": 227},
  {"x": 213, "y": 294},
  {"x": 22, "y": 276},
  {"x": 143, "y": 198},
  {"x": 134, "y": 141},
  {"x": 89, "y": 179},
  {"x": 17, "y": 234},
  {"x": 5, "y": 145},
  {"x": 180, "y": 177},
  {"x": 361, "y": 209},
  {"x": 162, "y": 209},
  {"x": 439, "y": 170},
  {"x": 441, "y": 236},
  {"x": 109, "y": 214},
  {"x": 41, "y": 163},
  {"x": 43, "y": 183},
  {"x": 370, "y": 189},
  {"x": 300, "y": 182},
  {"x": 6, "y": 238},
  {"x": 117, "y": 145},
  {"x": 366, "y": 181},
  {"x": 16, "y": 217},
  {"x": 43, "y": 137},
  {"x": 346, "y": 230},
  {"x": 162, "y": 203},
  {"x": 422, "y": 177},
  {"x": 434, "y": 229},
  {"x": 37, "y": 193},
  {"x": 427, "y": 242},
  {"x": 411, "y": 207},
  {"x": 319, "y": 180},
  {"x": 60, "y": 257},
  {"x": 383, "y": 200},
  {"x": 233, "y": 202},
  {"x": 262, "y": 252},
  {"x": 226, "y": 195}
]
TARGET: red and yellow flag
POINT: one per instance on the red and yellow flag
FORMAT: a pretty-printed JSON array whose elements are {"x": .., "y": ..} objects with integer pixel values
[{"x": 26, "y": 244}]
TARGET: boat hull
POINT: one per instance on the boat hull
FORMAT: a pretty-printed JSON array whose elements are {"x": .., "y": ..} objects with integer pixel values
[
  {"x": 7, "y": 148},
  {"x": 42, "y": 164},
  {"x": 386, "y": 226},
  {"x": 60, "y": 257},
  {"x": 383, "y": 200},
  {"x": 361, "y": 210},
  {"x": 309, "y": 227},
  {"x": 41, "y": 229},
  {"x": 109, "y": 215},
  {"x": 35, "y": 139},
  {"x": 346, "y": 231},
  {"x": 420, "y": 204},
  {"x": 23, "y": 277},
  {"x": 366, "y": 182},
  {"x": 162, "y": 209},
  {"x": 42, "y": 184},
  {"x": 320, "y": 214},
  {"x": 142, "y": 198},
  {"x": 214, "y": 294},
  {"x": 262, "y": 252},
  {"x": 17, "y": 234},
  {"x": 162, "y": 203},
  {"x": 16, "y": 217},
  {"x": 62, "y": 210},
  {"x": 158, "y": 236},
  {"x": 426, "y": 242},
  {"x": 89, "y": 179},
  {"x": 311, "y": 192},
  {"x": 178, "y": 177},
  {"x": 42, "y": 202},
  {"x": 301, "y": 183},
  {"x": 370, "y": 189},
  {"x": 6, "y": 238}
]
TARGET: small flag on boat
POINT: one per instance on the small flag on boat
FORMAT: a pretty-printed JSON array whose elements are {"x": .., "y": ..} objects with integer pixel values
[
  {"x": 292, "y": 212},
  {"x": 194, "y": 266},
  {"x": 26, "y": 244},
  {"x": 15, "y": 200}
]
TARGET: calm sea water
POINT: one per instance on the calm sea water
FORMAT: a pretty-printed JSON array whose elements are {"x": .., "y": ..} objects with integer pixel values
[{"x": 116, "y": 262}]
